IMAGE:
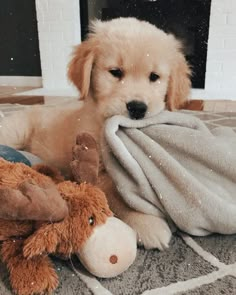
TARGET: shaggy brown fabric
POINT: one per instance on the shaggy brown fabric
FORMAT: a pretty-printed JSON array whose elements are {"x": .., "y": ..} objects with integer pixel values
[{"x": 27, "y": 244}]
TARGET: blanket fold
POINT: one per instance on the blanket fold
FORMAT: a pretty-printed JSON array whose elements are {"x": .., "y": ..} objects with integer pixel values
[{"x": 173, "y": 165}]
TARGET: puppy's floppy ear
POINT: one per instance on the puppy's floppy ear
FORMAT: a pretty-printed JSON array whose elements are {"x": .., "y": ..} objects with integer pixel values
[
  {"x": 80, "y": 67},
  {"x": 179, "y": 81}
]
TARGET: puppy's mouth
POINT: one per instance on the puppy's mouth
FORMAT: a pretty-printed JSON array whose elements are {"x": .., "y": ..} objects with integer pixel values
[{"x": 136, "y": 109}]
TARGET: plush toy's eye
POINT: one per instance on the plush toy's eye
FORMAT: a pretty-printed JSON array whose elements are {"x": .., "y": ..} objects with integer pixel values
[
  {"x": 91, "y": 220},
  {"x": 116, "y": 72},
  {"x": 153, "y": 77}
]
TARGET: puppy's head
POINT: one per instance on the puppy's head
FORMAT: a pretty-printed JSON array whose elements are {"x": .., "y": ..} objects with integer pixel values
[{"x": 130, "y": 67}]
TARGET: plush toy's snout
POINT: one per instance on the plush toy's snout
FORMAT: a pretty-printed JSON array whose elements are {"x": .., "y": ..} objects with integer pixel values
[{"x": 110, "y": 250}]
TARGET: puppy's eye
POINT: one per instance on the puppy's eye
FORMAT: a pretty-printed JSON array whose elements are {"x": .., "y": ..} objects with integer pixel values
[
  {"x": 153, "y": 77},
  {"x": 91, "y": 220},
  {"x": 117, "y": 73}
]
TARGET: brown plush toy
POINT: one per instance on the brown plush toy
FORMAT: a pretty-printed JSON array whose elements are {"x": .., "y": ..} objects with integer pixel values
[{"x": 79, "y": 222}]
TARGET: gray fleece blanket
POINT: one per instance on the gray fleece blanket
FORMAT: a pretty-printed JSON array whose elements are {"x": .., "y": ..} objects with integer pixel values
[{"x": 172, "y": 164}]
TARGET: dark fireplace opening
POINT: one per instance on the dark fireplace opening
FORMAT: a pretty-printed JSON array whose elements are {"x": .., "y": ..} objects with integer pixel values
[{"x": 188, "y": 20}]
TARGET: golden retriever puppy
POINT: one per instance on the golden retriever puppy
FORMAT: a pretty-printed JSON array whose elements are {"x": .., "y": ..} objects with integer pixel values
[{"x": 127, "y": 67}]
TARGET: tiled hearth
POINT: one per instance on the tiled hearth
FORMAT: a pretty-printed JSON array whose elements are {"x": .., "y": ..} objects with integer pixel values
[{"x": 12, "y": 95}]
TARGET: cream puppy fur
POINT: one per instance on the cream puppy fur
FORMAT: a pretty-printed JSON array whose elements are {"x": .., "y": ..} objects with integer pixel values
[{"x": 125, "y": 67}]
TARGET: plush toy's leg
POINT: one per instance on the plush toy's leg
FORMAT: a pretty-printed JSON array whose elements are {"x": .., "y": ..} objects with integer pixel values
[{"x": 28, "y": 276}]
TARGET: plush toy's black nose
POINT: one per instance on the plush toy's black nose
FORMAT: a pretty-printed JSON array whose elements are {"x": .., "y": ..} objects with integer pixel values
[{"x": 136, "y": 109}]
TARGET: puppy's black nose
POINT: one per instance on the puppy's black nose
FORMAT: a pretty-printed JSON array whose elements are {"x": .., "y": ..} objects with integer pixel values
[{"x": 136, "y": 109}]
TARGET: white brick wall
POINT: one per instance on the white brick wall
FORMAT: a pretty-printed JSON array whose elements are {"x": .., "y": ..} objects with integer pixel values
[
  {"x": 221, "y": 57},
  {"x": 59, "y": 30}
]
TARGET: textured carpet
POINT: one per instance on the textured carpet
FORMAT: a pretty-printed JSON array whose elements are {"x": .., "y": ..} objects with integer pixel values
[{"x": 191, "y": 265}]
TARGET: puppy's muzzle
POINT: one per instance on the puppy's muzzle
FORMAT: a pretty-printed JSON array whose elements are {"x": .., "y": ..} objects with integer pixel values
[{"x": 136, "y": 109}]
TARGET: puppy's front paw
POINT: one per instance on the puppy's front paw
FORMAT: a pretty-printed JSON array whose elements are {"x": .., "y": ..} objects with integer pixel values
[{"x": 152, "y": 231}]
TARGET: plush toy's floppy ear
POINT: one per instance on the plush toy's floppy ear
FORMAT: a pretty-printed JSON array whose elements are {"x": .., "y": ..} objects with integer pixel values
[
  {"x": 179, "y": 81},
  {"x": 80, "y": 67},
  {"x": 45, "y": 239}
]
